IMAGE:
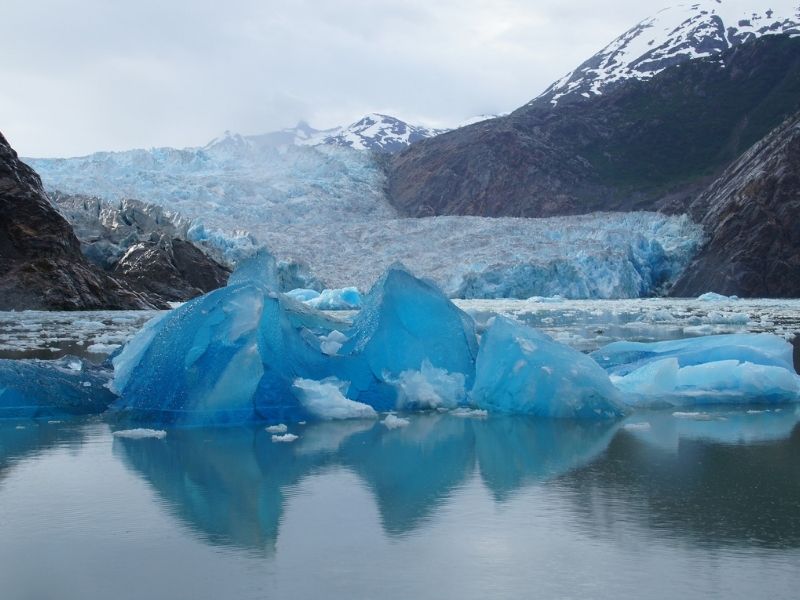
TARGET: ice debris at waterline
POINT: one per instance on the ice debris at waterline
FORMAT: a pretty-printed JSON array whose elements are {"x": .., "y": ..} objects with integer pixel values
[
  {"x": 247, "y": 353},
  {"x": 719, "y": 369},
  {"x": 47, "y": 389}
]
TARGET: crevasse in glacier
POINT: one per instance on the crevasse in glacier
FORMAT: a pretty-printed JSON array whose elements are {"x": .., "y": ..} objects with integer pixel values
[
  {"x": 719, "y": 369},
  {"x": 521, "y": 370}
]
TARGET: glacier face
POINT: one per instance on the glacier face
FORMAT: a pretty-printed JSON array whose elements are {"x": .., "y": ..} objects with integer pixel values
[
  {"x": 325, "y": 207},
  {"x": 687, "y": 31}
]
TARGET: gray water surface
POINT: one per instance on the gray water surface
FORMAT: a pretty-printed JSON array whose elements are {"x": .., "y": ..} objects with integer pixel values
[{"x": 700, "y": 504}]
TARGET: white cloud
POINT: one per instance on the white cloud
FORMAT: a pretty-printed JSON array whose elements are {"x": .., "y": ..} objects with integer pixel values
[{"x": 80, "y": 76}]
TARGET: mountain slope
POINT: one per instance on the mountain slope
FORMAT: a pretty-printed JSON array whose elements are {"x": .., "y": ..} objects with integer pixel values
[
  {"x": 700, "y": 29},
  {"x": 643, "y": 145},
  {"x": 752, "y": 216}
]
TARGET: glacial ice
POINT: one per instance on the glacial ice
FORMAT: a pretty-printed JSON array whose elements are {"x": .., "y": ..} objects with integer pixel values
[
  {"x": 723, "y": 369},
  {"x": 520, "y": 370},
  {"x": 714, "y": 297},
  {"x": 50, "y": 389},
  {"x": 327, "y": 400},
  {"x": 347, "y": 298},
  {"x": 249, "y": 353},
  {"x": 297, "y": 201},
  {"x": 404, "y": 322}
]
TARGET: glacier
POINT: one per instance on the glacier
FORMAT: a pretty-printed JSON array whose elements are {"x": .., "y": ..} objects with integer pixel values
[
  {"x": 717, "y": 369},
  {"x": 325, "y": 208}
]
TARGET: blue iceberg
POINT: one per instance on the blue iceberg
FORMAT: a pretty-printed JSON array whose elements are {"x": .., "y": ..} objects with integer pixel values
[
  {"x": 347, "y": 298},
  {"x": 720, "y": 369},
  {"x": 406, "y": 324},
  {"x": 52, "y": 389},
  {"x": 247, "y": 353},
  {"x": 521, "y": 370}
]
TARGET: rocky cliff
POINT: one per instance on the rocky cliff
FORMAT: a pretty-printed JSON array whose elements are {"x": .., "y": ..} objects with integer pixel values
[
  {"x": 751, "y": 215},
  {"x": 41, "y": 265}
]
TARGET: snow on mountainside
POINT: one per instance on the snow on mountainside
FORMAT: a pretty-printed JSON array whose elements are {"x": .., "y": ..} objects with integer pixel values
[
  {"x": 376, "y": 132},
  {"x": 381, "y": 133},
  {"x": 684, "y": 32}
]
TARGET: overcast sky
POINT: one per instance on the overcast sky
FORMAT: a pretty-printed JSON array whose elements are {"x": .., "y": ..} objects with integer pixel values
[{"x": 86, "y": 75}]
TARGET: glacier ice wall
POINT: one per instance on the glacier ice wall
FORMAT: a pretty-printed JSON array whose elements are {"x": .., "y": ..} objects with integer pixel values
[{"x": 325, "y": 207}]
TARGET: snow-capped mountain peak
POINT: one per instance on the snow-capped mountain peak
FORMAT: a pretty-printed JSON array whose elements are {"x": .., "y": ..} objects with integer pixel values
[
  {"x": 375, "y": 131},
  {"x": 687, "y": 31}
]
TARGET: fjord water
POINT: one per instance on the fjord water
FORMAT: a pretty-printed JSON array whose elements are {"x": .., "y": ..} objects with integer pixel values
[{"x": 692, "y": 505}]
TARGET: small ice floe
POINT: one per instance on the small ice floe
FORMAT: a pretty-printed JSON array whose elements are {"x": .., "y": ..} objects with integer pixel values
[
  {"x": 474, "y": 413},
  {"x": 141, "y": 433},
  {"x": 20, "y": 427},
  {"x": 756, "y": 412},
  {"x": 54, "y": 422},
  {"x": 697, "y": 416},
  {"x": 280, "y": 428},
  {"x": 640, "y": 426},
  {"x": 393, "y": 421},
  {"x": 100, "y": 348},
  {"x": 285, "y": 438},
  {"x": 75, "y": 365}
]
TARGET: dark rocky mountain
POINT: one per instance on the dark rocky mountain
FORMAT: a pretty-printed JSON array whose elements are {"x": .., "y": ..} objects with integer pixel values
[
  {"x": 752, "y": 217},
  {"x": 170, "y": 269},
  {"x": 143, "y": 244},
  {"x": 41, "y": 265},
  {"x": 646, "y": 144}
]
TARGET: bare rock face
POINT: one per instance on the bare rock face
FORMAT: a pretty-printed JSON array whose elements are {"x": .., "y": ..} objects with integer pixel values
[
  {"x": 41, "y": 265},
  {"x": 752, "y": 217},
  {"x": 170, "y": 269}
]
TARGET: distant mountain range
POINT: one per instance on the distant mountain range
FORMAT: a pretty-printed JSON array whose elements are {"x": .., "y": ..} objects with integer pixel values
[{"x": 381, "y": 133}]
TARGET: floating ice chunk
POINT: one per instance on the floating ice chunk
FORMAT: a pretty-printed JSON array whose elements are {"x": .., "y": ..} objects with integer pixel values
[
  {"x": 347, "y": 298},
  {"x": 723, "y": 369},
  {"x": 429, "y": 388},
  {"x": 141, "y": 433},
  {"x": 330, "y": 344},
  {"x": 227, "y": 357},
  {"x": 638, "y": 426},
  {"x": 714, "y": 297},
  {"x": 326, "y": 400},
  {"x": 520, "y": 370},
  {"x": 52, "y": 388},
  {"x": 474, "y": 413},
  {"x": 281, "y": 428},
  {"x": 303, "y": 294},
  {"x": 696, "y": 415},
  {"x": 620, "y": 358},
  {"x": 405, "y": 321},
  {"x": 394, "y": 422},
  {"x": 285, "y": 438},
  {"x": 717, "y": 382}
]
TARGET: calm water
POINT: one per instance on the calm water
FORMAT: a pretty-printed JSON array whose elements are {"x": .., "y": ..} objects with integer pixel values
[{"x": 661, "y": 506}]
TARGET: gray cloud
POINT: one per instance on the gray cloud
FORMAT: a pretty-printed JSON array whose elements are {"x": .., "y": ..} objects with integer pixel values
[{"x": 85, "y": 75}]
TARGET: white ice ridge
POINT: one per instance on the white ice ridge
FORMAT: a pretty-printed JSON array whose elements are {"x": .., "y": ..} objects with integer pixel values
[{"x": 686, "y": 31}]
